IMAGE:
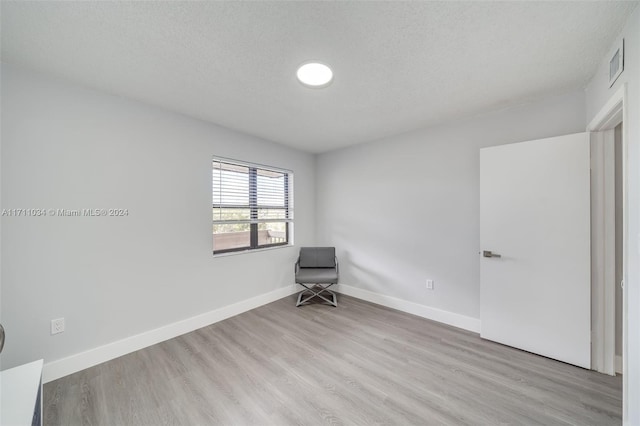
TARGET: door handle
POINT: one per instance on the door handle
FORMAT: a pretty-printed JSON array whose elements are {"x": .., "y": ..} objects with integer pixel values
[{"x": 487, "y": 253}]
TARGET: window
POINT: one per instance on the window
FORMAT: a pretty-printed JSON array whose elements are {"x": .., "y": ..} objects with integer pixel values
[{"x": 252, "y": 206}]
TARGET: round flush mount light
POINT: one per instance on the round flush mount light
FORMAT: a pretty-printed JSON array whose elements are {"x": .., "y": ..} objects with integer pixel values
[{"x": 314, "y": 74}]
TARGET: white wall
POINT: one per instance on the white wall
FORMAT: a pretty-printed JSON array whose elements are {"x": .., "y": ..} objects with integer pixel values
[
  {"x": 404, "y": 209},
  {"x": 64, "y": 146},
  {"x": 597, "y": 94}
]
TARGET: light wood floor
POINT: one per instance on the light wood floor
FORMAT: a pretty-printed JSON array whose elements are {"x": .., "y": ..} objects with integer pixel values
[{"x": 358, "y": 363}]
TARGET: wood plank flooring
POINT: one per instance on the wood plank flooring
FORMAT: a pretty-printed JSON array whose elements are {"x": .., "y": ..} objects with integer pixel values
[{"x": 358, "y": 364}]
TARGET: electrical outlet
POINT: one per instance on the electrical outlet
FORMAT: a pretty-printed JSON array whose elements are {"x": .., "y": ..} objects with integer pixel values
[
  {"x": 57, "y": 326},
  {"x": 429, "y": 284}
]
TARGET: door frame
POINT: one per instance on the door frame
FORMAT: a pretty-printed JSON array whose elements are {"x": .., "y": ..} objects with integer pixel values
[
  {"x": 613, "y": 113},
  {"x": 603, "y": 260}
]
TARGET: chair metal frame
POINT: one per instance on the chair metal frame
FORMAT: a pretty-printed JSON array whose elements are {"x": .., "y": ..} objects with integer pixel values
[{"x": 316, "y": 290}]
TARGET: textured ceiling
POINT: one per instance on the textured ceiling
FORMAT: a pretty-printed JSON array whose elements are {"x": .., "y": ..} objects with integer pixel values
[{"x": 398, "y": 65}]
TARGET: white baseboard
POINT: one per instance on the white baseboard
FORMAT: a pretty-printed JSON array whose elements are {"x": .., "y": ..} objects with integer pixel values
[
  {"x": 62, "y": 367},
  {"x": 618, "y": 364},
  {"x": 439, "y": 315}
]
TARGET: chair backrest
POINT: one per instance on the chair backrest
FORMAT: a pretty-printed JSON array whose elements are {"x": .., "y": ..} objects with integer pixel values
[{"x": 317, "y": 257}]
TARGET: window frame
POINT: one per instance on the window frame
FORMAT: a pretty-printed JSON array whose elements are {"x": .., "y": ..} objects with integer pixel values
[{"x": 254, "y": 206}]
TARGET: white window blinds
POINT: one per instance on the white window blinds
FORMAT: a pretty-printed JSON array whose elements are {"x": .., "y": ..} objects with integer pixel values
[{"x": 252, "y": 205}]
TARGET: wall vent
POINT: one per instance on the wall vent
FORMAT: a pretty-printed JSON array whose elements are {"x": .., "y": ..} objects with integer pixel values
[{"x": 616, "y": 64}]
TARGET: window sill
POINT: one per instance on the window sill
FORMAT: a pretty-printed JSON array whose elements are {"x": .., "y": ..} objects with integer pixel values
[{"x": 235, "y": 253}]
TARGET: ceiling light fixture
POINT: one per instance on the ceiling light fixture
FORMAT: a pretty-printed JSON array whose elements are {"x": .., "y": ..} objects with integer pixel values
[{"x": 315, "y": 74}]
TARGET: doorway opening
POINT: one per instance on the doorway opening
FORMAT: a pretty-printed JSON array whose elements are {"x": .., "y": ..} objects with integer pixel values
[
  {"x": 609, "y": 302},
  {"x": 619, "y": 249}
]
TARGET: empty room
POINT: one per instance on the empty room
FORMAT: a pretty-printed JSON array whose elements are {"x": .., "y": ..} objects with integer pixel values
[{"x": 422, "y": 213}]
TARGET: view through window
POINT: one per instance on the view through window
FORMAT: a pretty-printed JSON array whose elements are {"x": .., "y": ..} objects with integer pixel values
[{"x": 252, "y": 206}]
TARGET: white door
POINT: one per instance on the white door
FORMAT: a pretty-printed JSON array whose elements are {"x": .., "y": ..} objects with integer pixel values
[{"x": 535, "y": 214}]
